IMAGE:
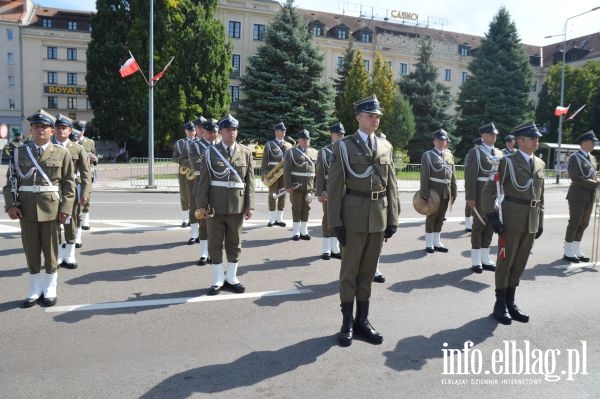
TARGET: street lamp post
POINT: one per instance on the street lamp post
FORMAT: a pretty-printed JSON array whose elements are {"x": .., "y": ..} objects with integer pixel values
[{"x": 562, "y": 91}]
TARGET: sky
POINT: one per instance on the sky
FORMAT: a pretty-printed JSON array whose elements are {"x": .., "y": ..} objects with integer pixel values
[{"x": 534, "y": 19}]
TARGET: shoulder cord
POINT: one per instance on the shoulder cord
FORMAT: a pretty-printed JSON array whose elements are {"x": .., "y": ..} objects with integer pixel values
[
  {"x": 481, "y": 168},
  {"x": 591, "y": 172},
  {"x": 278, "y": 152},
  {"x": 227, "y": 171},
  {"x": 517, "y": 186},
  {"x": 22, "y": 175},
  {"x": 327, "y": 152},
  {"x": 445, "y": 165},
  {"x": 304, "y": 155},
  {"x": 344, "y": 153}
]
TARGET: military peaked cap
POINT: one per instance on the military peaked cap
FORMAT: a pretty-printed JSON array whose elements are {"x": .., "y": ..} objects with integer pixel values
[
  {"x": 228, "y": 121},
  {"x": 488, "y": 128},
  {"x": 41, "y": 117},
  {"x": 527, "y": 129},
  {"x": 369, "y": 104}
]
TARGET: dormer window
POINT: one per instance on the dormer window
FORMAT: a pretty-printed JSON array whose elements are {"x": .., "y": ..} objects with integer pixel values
[
  {"x": 464, "y": 50},
  {"x": 365, "y": 37},
  {"x": 342, "y": 33},
  {"x": 316, "y": 29}
]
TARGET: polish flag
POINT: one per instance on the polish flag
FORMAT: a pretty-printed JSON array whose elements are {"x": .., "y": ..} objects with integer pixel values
[
  {"x": 129, "y": 67},
  {"x": 574, "y": 114},
  {"x": 558, "y": 111},
  {"x": 161, "y": 73}
]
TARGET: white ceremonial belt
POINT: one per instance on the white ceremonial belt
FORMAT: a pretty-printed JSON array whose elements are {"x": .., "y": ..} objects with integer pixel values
[
  {"x": 273, "y": 163},
  {"x": 227, "y": 184},
  {"x": 303, "y": 174},
  {"x": 483, "y": 178},
  {"x": 196, "y": 173},
  {"x": 444, "y": 181},
  {"x": 39, "y": 189}
]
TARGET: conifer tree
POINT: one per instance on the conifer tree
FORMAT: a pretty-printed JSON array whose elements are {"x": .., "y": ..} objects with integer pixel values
[{"x": 356, "y": 87}]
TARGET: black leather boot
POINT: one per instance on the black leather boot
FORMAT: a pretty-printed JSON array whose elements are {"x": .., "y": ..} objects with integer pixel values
[
  {"x": 362, "y": 326},
  {"x": 345, "y": 334},
  {"x": 512, "y": 307},
  {"x": 500, "y": 310}
]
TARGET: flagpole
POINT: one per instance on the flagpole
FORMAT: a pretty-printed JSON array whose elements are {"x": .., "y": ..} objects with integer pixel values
[{"x": 151, "y": 102}]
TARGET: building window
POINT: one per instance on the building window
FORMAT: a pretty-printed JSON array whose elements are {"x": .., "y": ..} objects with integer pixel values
[
  {"x": 235, "y": 96},
  {"x": 71, "y": 78},
  {"x": 9, "y": 34},
  {"x": 52, "y": 53},
  {"x": 340, "y": 62},
  {"x": 52, "y": 78},
  {"x": 52, "y": 102},
  {"x": 448, "y": 75},
  {"x": 365, "y": 37},
  {"x": 11, "y": 81},
  {"x": 236, "y": 60},
  {"x": 316, "y": 30},
  {"x": 72, "y": 54},
  {"x": 367, "y": 65},
  {"x": 46, "y": 23},
  {"x": 88, "y": 104},
  {"x": 388, "y": 64},
  {"x": 342, "y": 34},
  {"x": 10, "y": 58},
  {"x": 71, "y": 102},
  {"x": 403, "y": 69},
  {"x": 11, "y": 104},
  {"x": 258, "y": 32},
  {"x": 463, "y": 50},
  {"x": 235, "y": 29},
  {"x": 72, "y": 25},
  {"x": 464, "y": 76}
]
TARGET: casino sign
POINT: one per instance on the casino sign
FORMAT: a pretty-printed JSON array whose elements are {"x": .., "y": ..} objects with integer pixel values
[
  {"x": 65, "y": 90},
  {"x": 411, "y": 16}
]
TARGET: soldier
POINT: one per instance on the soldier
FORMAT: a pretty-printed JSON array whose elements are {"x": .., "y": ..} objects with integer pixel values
[
  {"x": 331, "y": 246},
  {"x": 206, "y": 132},
  {"x": 227, "y": 185},
  {"x": 479, "y": 165},
  {"x": 89, "y": 146},
  {"x": 520, "y": 177},
  {"x": 180, "y": 155},
  {"x": 437, "y": 173},
  {"x": 582, "y": 171},
  {"x": 468, "y": 213},
  {"x": 363, "y": 210},
  {"x": 299, "y": 180},
  {"x": 17, "y": 141},
  {"x": 63, "y": 128},
  {"x": 46, "y": 191},
  {"x": 509, "y": 142},
  {"x": 273, "y": 154}
]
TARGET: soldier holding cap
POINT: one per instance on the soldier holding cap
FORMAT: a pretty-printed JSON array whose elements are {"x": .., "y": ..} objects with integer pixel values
[
  {"x": 480, "y": 164},
  {"x": 206, "y": 136},
  {"x": 331, "y": 246},
  {"x": 438, "y": 174},
  {"x": 46, "y": 188},
  {"x": 89, "y": 146},
  {"x": 363, "y": 210},
  {"x": 273, "y": 154},
  {"x": 520, "y": 177},
  {"x": 180, "y": 156},
  {"x": 299, "y": 181},
  {"x": 227, "y": 185},
  {"x": 509, "y": 142},
  {"x": 582, "y": 172},
  {"x": 63, "y": 128}
]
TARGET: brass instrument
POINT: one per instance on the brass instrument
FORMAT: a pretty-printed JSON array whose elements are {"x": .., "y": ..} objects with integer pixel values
[
  {"x": 209, "y": 210},
  {"x": 309, "y": 197},
  {"x": 187, "y": 171},
  {"x": 281, "y": 192},
  {"x": 274, "y": 174}
]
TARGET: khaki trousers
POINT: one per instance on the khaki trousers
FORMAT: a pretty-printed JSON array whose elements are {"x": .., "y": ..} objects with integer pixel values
[
  {"x": 38, "y": 238},
  {"x": 434, "y": 222},
  {"x": 300, "y": 208},
  {"x": 359, "y": 262},
  {"x": 579, "y": 219},
  {"x": 225, "y": 230},
  {"x": 327, "y": 230},
  {"x": 509, "y": 270},
  {"x": 183, "y": 192}
]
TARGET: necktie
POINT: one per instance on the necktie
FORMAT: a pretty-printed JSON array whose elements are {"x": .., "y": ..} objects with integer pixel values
[
  {"x": 229, "y": 152},
  {"x": 370, "y": 144},
  {"x": 40, "y": 151},
  {"x": 531, "y": 164}
]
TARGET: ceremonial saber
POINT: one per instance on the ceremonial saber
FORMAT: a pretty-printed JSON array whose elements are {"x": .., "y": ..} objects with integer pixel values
[
  {"x": 474, "y": 209},
  {"x": 499, "y": 199}
]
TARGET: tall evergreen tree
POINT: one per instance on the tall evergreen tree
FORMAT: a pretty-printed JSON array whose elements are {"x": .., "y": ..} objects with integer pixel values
[
  {"x": 429, "y": 100},
  {"x": 356, "y": 87},
  {"x": 339, "y": 83},
  {"x": 499, "y": 86},
  {"x": 398, "y": 122},
  {"x": 284, "y": 82},
  {"x": 382, "y": 83}
]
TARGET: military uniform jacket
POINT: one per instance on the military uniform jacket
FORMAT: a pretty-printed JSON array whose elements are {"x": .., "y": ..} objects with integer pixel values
[
  {"x": 526, "y": 186},
  {"x": 506, "y": 151},
  {"x": 38, "y": 205},
  {"x": 348, "y": 171},
  {"x": 181, "y": 152},
  {"x": 323, "y": 162},
  {"x": 478, "y": 168},
  {"x": 89, "y": 146},
  {"x": 219, "y": 187},
  {"x": 81, "y": 168},
  {"x": 437, "y": 173},
  {"x": 300, "y": 167},
  {"x": 197, "y": 149},
  {"x": 582, "y": 172},
  {"x": 272, "y": 155}
]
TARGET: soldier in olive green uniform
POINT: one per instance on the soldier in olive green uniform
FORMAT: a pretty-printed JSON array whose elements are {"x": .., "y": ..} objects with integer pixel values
[
  {"x": 83, "y": 182},
  {"x": 437, "y": 173},
  {"x": 331, "y": 246},
  {"x": 89, "y": 146},
  {"x": 180, "y": 156},
  {"x": 509, "y": 142},
  {"x": 468, "y": 212},
  {"x": 46, "y": 191},
  {"x": 480, "y": 163},
  {"x": 299, "y": 180},
  {"x": 519, "y": 187},
  {"x": 363, "y": 209},
  {"x": 227, "y": 185},
  {"x": 273, "y": 154},
  {"x": 582, "y": 171},
  {"x": 206, "y": 134}
]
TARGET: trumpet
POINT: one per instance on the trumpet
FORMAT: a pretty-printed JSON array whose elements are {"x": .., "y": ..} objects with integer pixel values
[
  {"x": 281, "y": 192},
  {"x": 210, "y": 212},
  {"x": 309, "y": 197}
]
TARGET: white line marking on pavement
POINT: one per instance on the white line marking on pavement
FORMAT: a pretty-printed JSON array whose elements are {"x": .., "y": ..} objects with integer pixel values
[{"x": 172, "y": 301}]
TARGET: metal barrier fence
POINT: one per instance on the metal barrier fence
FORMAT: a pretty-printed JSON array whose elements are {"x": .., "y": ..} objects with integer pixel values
[{"x": 166, "y": 171}]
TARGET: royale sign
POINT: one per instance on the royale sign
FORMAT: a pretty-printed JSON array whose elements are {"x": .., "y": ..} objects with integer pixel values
[
  {"x": 65, "y": 90},
  {"x": 411, "y": 16}
]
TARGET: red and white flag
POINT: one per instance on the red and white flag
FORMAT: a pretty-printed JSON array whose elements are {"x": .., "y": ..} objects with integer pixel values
[
  {"x": 558, "y": 111},
  {"x": 161, "y": 73},
  {"x": 129, "y": 67},
  {"x": 576, "y": 112}
]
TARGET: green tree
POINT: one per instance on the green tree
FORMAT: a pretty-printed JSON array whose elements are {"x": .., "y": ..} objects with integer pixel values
[
  {"x": 284, "y": 82},
  {"x": 398, "y": 122},
  {"x": 429, "y": 100},
  {"x": 382, "y": 83},
  {"x": 356, "y": 87},
  {"x": 499, "y": 86},
  {"x": 339, "y": 83}
]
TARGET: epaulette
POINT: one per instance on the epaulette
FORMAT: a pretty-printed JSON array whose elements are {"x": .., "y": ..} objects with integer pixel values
[{"x": 243, "y": 146}]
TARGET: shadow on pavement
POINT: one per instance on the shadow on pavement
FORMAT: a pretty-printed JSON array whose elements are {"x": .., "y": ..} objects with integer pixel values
[
  {"x": 246, "y": 371},
  {"x": 454, "y": 279},
  {"x": 127, "y": 274},
  {"x": 549, "y": 270},
  {"x": 132, "y": 250},
  {"x": 412, "y": 353},
  {"x": 318, "y": 291}
]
